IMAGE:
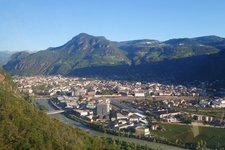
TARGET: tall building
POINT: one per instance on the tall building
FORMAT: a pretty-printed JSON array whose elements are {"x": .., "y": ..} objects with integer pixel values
[
  {"x": 107, "y": 101},
  {"x": 103, "y": 108}
]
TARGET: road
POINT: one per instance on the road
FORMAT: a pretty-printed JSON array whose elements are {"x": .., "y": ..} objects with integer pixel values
[{"x": 66, "y": 120}]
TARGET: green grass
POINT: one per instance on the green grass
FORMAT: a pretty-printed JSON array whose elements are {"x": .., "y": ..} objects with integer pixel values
[{"x": 214, "y": 137}]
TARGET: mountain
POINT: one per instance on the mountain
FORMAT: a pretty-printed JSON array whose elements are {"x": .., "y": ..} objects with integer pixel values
[
  {"x": 183, "y": 70},
  {"x": 146, "y": 51},
  {"x": 215, "y": 41},
  {"x": 81, "y": 51},
  {"x": 147, "y": 59},
  {"x": 5, "y": 57},
  {"x": 22, "y": 126}
]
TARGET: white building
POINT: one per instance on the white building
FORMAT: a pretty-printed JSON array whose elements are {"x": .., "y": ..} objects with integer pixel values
[
  {"x": 80, "y": 112},
  {"x": 220, "y": 103},
  {"x": 139, "y": 94}
]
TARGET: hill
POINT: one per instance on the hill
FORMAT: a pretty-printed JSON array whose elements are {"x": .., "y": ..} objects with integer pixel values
[
  {"x": 183, "y": 70},
  {"x": 147, "y": 51},
  {"x": 22, "y": 126},
  {"x": 175, "y": 60}
]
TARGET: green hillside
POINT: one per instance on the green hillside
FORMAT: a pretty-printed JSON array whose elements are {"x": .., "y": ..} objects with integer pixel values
[
  {"x": 24, "y": 127},
  {"x": 85, "y": 50},
  {"x": 81, "y": 51},
  {"x": 147, "y": 51},
  {"x": 176, "y": 60}
]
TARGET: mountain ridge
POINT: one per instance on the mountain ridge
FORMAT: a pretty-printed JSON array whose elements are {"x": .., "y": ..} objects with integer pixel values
[{"x": 87, "y": 51}]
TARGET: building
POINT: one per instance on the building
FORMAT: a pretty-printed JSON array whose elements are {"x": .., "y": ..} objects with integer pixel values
[
  {"x": 170, "y": 120},
  {"x": 107, "y": 101},
  {"x": 91, "y": 105},
  {"x": 154, "y": 126},
  {"x": 103, "y": 108},
  {"x": 134, "y": 118},
  {"x": 166, "y": 113},
  {"x": 79, "y": 112},
  {"x": 220, "y": 103},
  {"x": 120, "y": 116},
  {"x": 139, "y": 94},
  {"x": 91, "y": 93},
  {"x": 202, "y": 117},
  {"x": 142, "y": 131},
  {"x": 80, "y": 92}
]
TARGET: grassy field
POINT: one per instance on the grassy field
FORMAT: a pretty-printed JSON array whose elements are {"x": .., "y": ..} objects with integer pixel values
[{"x": 214, "y": 137}]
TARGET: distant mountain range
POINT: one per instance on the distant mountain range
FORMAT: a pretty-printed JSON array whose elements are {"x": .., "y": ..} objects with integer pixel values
[{"x": 177, "y": 60}]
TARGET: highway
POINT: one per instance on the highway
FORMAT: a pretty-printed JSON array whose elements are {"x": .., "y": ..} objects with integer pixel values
[{"x": 55, "y": 112}]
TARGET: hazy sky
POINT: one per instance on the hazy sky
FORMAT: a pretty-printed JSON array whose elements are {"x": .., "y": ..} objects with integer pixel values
[{"x": 39, "y": 24}]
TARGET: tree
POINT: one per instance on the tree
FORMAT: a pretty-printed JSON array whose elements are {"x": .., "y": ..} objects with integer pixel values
[{"x": 201, "y": 145}]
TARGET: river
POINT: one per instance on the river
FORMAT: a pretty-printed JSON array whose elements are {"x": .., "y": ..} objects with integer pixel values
[{"x": 66, "y": 120}]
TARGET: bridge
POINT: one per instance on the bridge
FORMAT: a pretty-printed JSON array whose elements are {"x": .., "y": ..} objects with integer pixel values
[
  {"x": 55, "y": 112},
  {"x": 41, "y": 98}
]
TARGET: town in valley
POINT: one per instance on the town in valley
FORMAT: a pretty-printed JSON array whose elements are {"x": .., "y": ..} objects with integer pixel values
[{"x": 133, "y": 108}]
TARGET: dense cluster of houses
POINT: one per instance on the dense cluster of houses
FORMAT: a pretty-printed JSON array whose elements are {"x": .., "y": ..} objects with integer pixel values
[
  {"x": 83, "y": 98},
  {"x": 214, "y": 103},
  {"x": 81, "y": 86}
]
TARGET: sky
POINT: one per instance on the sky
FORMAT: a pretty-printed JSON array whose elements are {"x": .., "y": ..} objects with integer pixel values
[{"x": 39, "y": 24}]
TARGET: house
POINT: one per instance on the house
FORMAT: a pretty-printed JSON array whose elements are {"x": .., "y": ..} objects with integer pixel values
[
  {"x": 139, "y": 94},
  {"x": 120, "y": 116},
  {"x": 89, "y": 118},
  {"x": 204, "y": 103},
  {"x": 79, "y": 112},
  {"x": 166, "y": 113},
  {"x": 170, "y": 120},
  {"x": 220, "y": 103},
  {"x": 154, "y": 126},
  {"x": 124, "y": 126},
  {"x": 134, "y": 118},
  {"x": 202, "y": 117},
  {"x": 140, "y": 115},
  {"x": 120, "y": 122},
  {"x": 91, "y": 93},
  {"x": 145, "y": 122},
  {"x": 142, "y": 131}
]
